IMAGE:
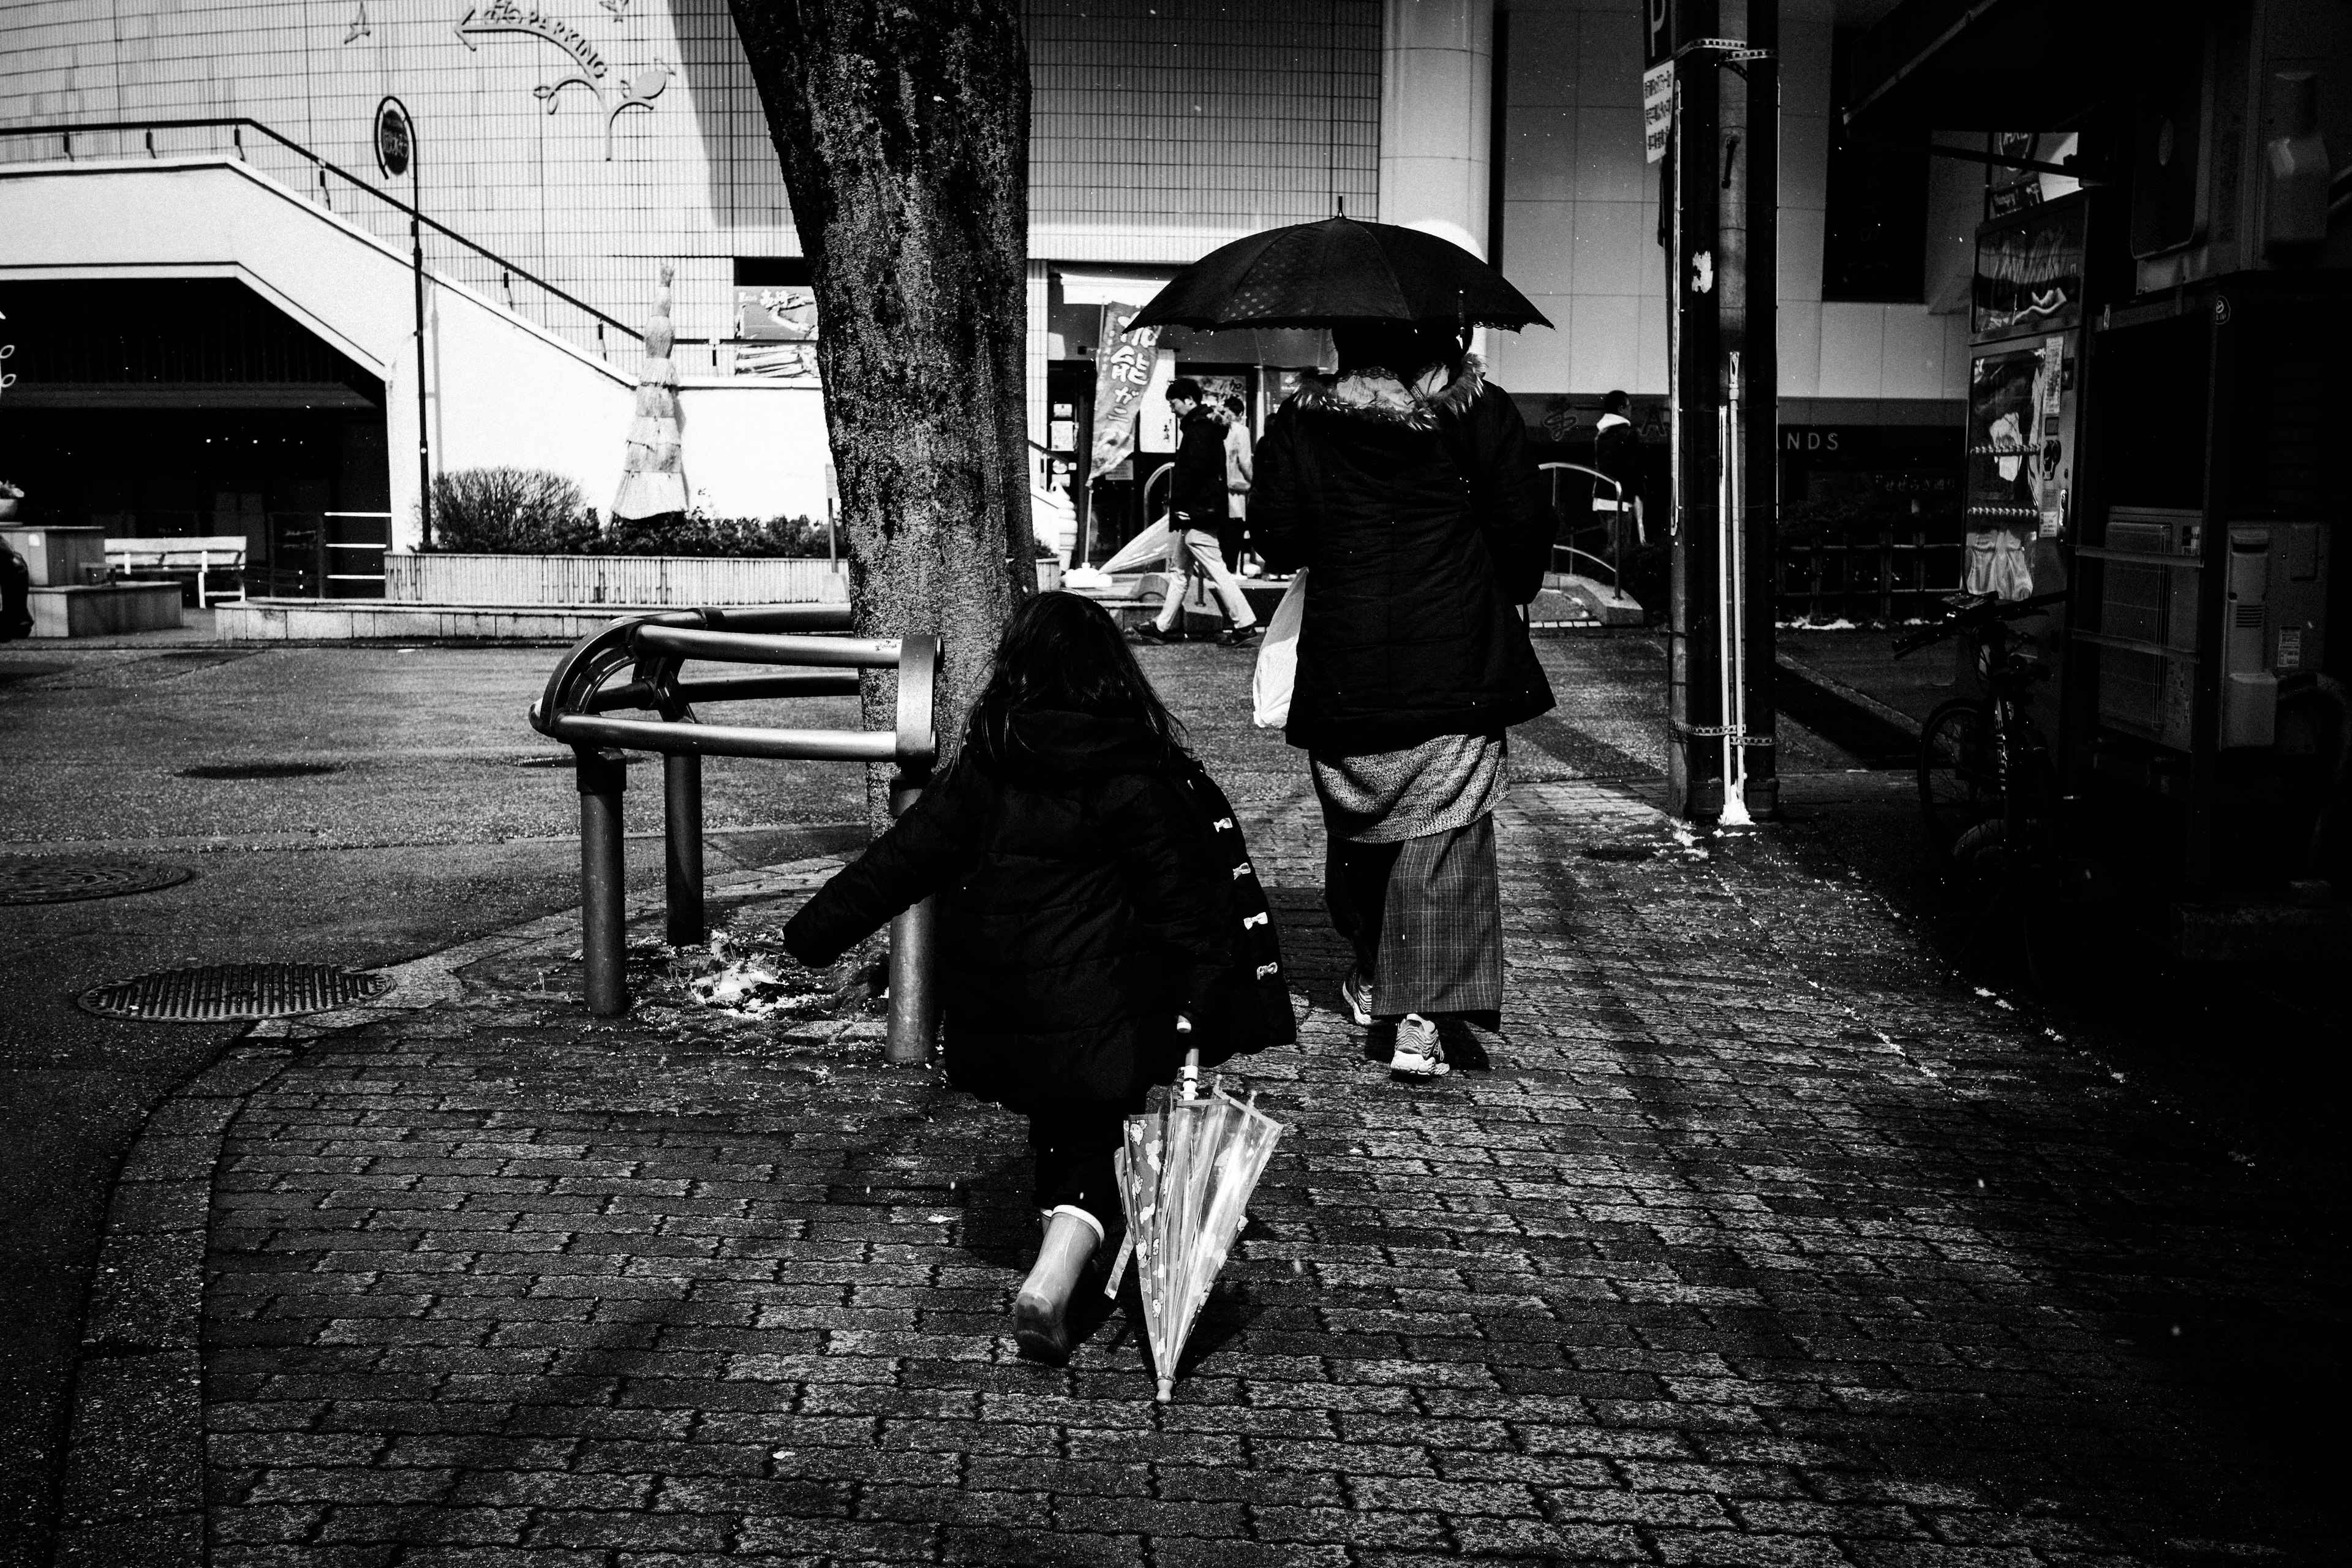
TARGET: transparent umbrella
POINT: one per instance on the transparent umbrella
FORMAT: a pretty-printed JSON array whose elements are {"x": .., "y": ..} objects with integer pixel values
[
  {"x": 1143, "y": 549},
  {"x": 1185, "y": 1176}
]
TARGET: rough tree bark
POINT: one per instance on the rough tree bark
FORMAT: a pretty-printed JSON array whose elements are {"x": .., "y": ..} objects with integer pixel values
[{"x": 904, "y": 131}]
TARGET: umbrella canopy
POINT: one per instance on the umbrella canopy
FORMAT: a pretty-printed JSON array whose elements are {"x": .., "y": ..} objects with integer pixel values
[
  {"x": 1143, "y": 549},
  {"x": 1185, "y": 1176},
  {"x": 1338, "y": 270}
]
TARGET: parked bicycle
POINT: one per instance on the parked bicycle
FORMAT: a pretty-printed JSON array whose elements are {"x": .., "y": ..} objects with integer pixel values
[{"x": 1988, "y": 786}]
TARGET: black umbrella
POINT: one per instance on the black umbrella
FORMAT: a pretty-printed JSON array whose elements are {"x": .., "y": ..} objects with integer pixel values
[{"x": 1338, "y": 270}]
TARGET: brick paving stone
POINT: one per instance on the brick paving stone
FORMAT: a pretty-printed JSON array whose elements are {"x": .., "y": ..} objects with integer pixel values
[{"x": 1768, "y": 1241}]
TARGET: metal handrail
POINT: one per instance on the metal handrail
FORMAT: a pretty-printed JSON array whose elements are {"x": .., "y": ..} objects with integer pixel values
[
  {"x": 650, "y": 650},
  {"x": 1164, "y": 471},
  {"x": 510, "y": 271},
  {"x": 1616, "y": 535},
  {"x": 66, "y": 133}
]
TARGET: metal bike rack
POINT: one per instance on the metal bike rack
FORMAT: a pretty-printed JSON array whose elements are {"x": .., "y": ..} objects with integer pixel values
[{"x": 650, "y": 650}]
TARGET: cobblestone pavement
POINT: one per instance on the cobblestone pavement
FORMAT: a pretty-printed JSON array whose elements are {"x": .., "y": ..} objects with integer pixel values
[{"x": 1767, "y": 1241}]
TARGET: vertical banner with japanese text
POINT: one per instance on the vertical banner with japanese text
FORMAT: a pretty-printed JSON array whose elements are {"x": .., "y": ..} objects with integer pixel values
[{"x": 1123, "y": 369}]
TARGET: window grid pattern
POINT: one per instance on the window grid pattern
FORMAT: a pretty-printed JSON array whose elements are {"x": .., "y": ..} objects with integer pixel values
[{"x": 1159, "y": 130}]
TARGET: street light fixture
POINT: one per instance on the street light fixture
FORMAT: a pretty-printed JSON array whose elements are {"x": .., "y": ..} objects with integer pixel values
[{"x": 395, "y": 154}]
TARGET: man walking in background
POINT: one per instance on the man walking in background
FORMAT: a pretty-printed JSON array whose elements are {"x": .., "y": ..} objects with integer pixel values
[
  {"x": 1617, "y": 452},
  {"x": 1196, "y": 514}
]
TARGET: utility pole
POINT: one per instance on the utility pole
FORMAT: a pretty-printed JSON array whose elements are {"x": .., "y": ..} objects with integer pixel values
[
  {"x": 1753, "y": 280},
  {"x": 1722, "y": 231},
  {"x": 1761, "y": 363},
  {"x": 1748, "y": 489},
  {"x": 1695, "y": 705}
]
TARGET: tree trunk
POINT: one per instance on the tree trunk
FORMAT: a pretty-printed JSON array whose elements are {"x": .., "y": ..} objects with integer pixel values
[{"x": 904, "y": 131}]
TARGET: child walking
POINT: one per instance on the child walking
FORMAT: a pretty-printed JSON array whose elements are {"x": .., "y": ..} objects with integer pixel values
[{"x": 1093, "y": 889}]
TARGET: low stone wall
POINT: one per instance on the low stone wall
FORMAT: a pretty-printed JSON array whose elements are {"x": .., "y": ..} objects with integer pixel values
[
  {"x": 375, "y": 620},
  {"x": 107, "y": 609},
  {"x": 659, "y": 582}
]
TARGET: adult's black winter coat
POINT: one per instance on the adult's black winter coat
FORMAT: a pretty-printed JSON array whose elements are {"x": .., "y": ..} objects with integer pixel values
[
  {"x": 1085, "y": 900},
  {"x": 1196, "y": 490},
  {"x": 1419, "y": 516}
]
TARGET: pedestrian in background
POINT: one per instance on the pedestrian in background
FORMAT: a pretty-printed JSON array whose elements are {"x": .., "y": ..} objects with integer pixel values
[
  {"x": 1238, "y": 459},
  {"x": 1196, "y": 515},
  {"x": 1085, "y": 865},
  {"x": 1617, "y": 452},
  {"x": 1404, "y": 486}
]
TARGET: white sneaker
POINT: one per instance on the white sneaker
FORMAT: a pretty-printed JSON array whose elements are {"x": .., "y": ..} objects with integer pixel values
[
  {"x": 1355, "y": 997},
  {"x": 1418, "y": 1052}
]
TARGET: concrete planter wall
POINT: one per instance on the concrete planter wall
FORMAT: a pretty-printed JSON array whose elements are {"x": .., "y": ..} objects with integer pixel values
[
  {"x": 628, "y": 581},
  {"x": 668, "y": 581}
]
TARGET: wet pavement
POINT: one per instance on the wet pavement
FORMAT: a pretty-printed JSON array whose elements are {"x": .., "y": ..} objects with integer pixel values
[
  {"x": 1771, "y": 1239},
  {"x": 425, "y": 830}
]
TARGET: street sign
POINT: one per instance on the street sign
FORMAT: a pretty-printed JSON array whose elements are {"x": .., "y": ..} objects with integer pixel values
[
  {"x": 1657, "y": 109},
  {"x": 393, "y": 139}
]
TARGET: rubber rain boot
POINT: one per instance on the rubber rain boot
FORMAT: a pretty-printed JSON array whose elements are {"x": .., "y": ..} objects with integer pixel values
[{"x": 1041, "y": 1311}]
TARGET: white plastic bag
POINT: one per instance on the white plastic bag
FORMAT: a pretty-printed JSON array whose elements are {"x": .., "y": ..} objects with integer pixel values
[{"x": 1277, "y": 658}]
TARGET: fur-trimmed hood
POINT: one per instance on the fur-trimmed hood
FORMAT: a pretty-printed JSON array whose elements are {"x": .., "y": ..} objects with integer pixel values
[{"x": 1379, "y": 397}]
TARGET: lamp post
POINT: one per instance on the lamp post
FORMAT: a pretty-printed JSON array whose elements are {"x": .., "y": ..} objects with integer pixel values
[{"x": 395, "y": 154}]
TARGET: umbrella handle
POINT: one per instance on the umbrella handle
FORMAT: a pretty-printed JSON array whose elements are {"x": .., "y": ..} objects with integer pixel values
[
  {"x": 1119, "y": 1264},
  {"x": 1188, "y": 1082}
]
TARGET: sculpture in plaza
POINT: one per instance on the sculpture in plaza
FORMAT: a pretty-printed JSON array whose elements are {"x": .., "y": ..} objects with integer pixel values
[{"x": 653, "y": 475}]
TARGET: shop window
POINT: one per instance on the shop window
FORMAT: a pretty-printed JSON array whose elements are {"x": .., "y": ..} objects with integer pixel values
[
  {"x": 1875, "y": 245},
  {"x": 775, "y": 318}
]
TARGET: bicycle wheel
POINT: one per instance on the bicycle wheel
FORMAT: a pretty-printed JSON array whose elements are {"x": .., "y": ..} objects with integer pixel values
[{"x": 1956, "y": 785}]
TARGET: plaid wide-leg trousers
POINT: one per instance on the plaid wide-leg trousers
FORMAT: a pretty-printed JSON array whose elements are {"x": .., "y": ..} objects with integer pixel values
[{"x": 1425, "y": 917}]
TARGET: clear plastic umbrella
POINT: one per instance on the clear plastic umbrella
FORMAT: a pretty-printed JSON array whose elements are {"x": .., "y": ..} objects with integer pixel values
[
  {"x": 1145, "y": 549},
  {"x": 1185, "y": 1176}
]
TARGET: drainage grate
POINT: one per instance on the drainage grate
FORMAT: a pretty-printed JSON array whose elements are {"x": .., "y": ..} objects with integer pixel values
[
  {"x": 260, "y": 770},
  {"x": 63, "y": 878},
  {"x": 1620, "y": 851},
  {"x": 222, "y": 991}
]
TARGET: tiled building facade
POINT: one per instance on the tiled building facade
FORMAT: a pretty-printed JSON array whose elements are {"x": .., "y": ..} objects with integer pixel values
[{"x": 590, "y": 141}]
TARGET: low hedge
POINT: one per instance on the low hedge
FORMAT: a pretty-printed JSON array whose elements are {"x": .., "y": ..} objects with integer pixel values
[{"x": 533, "y": 511}]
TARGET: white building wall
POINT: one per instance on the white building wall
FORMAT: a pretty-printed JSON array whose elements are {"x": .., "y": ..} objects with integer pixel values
[
  {"x": 691, "y": 178},
  {"x": 1437, "y": 80},
  {"x": 1160, "y": 130},
  {"x": 1580, "y": 218},
  {"x": 502, "y": 392}
]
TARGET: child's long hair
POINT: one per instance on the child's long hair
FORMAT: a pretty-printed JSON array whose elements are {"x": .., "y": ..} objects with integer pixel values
[{"x": 1060, "y": 651}]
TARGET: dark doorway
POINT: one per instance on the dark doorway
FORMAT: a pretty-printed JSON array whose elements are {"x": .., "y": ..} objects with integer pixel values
[{"x": 182, "y": 408}]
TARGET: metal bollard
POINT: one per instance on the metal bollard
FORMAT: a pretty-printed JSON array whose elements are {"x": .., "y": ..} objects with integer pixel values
[
  {"x": 682, "y": 846},
  {"x": 914, "y": 960},
  {"x": 604, "y": 885}
]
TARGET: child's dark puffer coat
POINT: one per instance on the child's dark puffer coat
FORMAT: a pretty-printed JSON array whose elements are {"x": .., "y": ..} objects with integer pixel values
[{"x": 1086, "y": 899}]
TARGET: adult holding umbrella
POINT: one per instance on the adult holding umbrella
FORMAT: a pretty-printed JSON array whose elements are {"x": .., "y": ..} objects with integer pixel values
[{"x": 1403, "y": 486}]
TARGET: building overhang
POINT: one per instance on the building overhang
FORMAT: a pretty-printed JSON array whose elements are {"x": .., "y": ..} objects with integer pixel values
[
  {"x": 1996, "y": 65},
  {"x": 143, "y": 395}
]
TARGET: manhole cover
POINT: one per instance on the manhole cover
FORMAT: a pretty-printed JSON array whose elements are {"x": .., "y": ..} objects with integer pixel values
[
  {"x": 260, "y": 770},
  {"x": 233, "y": 991},
  {"x": 63, "y": 878},
  {"x": 1620, "y": 851}
]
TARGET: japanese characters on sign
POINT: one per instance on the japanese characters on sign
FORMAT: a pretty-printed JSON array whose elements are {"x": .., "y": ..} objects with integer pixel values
[
  {"x": 1123, "y": 371},
  {"x": 1657, "y": 109}
]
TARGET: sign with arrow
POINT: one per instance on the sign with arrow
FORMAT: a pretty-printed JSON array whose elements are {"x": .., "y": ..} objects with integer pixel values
[{"x": 589, "y": 69}]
